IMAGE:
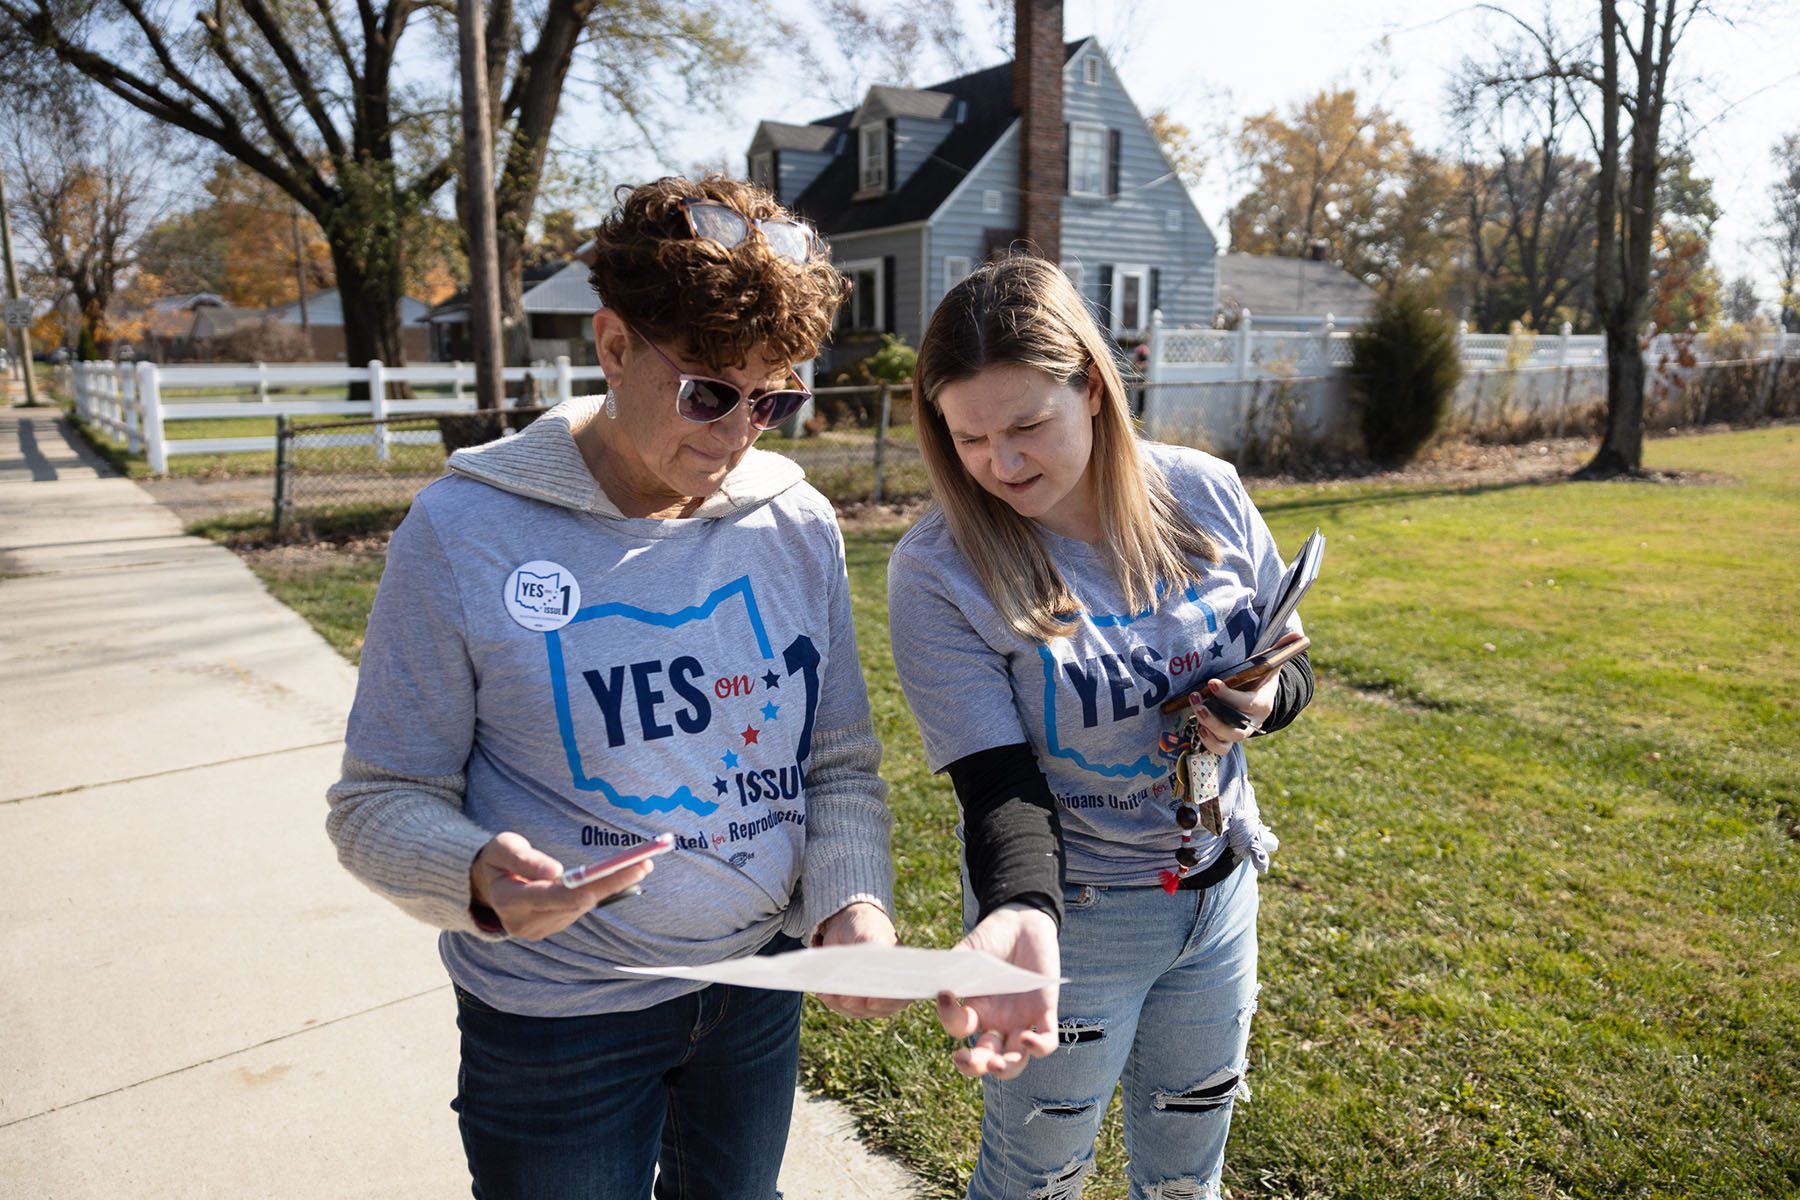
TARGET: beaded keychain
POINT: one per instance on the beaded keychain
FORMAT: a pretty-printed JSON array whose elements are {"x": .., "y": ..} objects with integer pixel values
[{"x": 1195, "y": 783}]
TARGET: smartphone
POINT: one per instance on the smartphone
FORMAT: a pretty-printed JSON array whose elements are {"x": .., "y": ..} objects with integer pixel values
[
  {"x": 1250, "y": 672},
  {"x": 576, "y": 877}
]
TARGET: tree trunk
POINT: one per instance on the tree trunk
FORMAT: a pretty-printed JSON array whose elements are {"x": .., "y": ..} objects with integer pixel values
[
  {"x": 371, "y": 316},
  {"x": 1610, "y": 290},
  {"x": 1622, "y": 444}
]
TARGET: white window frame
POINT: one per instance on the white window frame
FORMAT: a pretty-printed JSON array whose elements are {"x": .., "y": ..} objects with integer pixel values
[
  {"x": 1077, "y": 130},
  {"x": 762, "y": 170},
  {"x": 1122, "y": 272},
  {"x": 991, "y": 200},
  {"x": 956, "y": 269},
  {"x": 877, "y": 295},
  {"x": 871, "y": 167},
  {"x": 1172, "y": 221},
  {"x": 1090, "y": 71}
]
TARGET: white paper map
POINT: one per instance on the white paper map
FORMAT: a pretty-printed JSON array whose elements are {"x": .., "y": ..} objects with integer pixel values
[{"x": 883, "y": 972}]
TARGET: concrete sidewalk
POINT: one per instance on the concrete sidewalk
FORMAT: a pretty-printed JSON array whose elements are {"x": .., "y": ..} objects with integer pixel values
[{"x": 195, "y": 1000}]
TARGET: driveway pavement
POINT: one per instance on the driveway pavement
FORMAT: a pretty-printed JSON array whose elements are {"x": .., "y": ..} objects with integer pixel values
[{"x": 195, "y": 1000}]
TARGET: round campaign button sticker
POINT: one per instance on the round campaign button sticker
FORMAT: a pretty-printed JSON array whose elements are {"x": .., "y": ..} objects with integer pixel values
[{"x": 542, "y": 595}]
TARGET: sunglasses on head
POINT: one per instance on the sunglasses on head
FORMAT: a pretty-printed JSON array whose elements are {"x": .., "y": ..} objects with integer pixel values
[
  {"x": 703, "y": 399},
  {"x": 725, "y": 225}
]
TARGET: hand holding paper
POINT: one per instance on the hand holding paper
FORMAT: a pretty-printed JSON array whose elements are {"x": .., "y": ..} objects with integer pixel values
[{"x": 891, "y": 972}]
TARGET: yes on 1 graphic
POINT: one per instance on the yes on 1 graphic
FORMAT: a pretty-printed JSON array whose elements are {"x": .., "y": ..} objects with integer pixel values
[{"x": 542, "y": 595}]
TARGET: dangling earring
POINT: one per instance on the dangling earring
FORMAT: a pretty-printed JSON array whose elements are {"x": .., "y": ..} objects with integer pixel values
[{"x": 612, "y": 406}]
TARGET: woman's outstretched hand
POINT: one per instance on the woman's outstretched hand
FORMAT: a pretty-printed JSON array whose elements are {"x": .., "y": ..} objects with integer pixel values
[
  {"x": 1009, "y": 1031},
  {"x": 858, "y": 924},
  {"x": 523, "y": 886}
]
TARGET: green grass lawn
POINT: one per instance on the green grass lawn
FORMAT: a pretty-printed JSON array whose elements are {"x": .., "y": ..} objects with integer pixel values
[{"x": 1532, "y": 928}]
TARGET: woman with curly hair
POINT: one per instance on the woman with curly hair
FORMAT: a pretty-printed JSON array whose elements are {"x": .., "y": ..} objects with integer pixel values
[
  {"x": 1058, "y": 625},
  {"x": 626, "y": 627}
]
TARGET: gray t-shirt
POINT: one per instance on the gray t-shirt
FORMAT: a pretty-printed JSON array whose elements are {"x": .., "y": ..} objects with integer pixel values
[
  {"x": 1090, "y": 704},
  {"x": 602, "y": 680}
]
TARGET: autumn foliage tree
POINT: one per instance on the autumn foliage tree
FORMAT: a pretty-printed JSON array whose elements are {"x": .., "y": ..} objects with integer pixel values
[
  {"x": 249, "y": 244},
  {"x": 1328, "y": 171}
]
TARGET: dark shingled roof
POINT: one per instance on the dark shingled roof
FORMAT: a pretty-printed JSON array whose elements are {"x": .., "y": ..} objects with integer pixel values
[
  {"x": 1271, "y": 287},
  {"x": 910, "y": 102},
  {"x": 774, "y": 135},
  {"x": 827, "y": 202}
]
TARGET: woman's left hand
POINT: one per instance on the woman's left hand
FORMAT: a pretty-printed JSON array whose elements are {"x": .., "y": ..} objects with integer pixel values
[
  {"x": 858, "y": 924},
  {"x": 1257, "y": 704}
]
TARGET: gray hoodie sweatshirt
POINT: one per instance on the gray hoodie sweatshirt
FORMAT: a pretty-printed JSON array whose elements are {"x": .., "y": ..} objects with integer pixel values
[{"x": 540, "y": 663}]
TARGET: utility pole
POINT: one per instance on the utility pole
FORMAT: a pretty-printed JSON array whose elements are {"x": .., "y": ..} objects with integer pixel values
[
  {"x": 12, "y": 293},
  {"x": 300, "y": 277},
  {"x": 478, "y": 180}
]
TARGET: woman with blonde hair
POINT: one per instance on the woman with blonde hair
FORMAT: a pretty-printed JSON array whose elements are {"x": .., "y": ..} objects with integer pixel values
[{"x": 1073, "y": 582}]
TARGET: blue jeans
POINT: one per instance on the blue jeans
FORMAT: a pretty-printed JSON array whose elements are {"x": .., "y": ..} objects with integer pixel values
[
  {"x": 588, "y": 1108},
  {"x": 1161, "y": 991}
]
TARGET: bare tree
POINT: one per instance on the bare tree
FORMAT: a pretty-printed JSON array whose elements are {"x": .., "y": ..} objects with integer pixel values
[
  {"x": 899, "y": 44},
  {"x": 84, "y": 198},
  {"x": 1740, "y": 301},
  {"x": 1528, "y": 202},
  {"x": 1784, "y": 236},
  {"x": 1630, "y": 89},
  {"x": 1630, "y": 167}
]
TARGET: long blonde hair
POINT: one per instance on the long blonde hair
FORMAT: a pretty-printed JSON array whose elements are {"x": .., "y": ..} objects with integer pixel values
[{"x": 1023, "y": 311}]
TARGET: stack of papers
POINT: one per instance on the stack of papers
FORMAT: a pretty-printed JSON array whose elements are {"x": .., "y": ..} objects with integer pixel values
[{"x": 1298, "y": 577}]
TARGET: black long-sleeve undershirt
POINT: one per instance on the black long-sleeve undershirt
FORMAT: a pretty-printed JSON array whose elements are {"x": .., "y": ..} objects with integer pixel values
[{"x": 1012, "y": 835}]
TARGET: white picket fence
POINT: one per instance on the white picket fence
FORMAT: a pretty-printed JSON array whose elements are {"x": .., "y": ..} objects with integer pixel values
[
  {"x": 1198, "y": 355},
  {"x": 137, "y": 402},
  {"x": 1210, "y": 382}
]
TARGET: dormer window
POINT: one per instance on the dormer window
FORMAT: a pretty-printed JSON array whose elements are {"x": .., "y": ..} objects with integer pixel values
[{"x": 872, "y": 159}]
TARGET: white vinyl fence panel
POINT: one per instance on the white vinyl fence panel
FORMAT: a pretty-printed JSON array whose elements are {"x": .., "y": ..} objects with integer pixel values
[
  {"x": 138, "y": 402},
  {"x": 1216, "y": 383}
]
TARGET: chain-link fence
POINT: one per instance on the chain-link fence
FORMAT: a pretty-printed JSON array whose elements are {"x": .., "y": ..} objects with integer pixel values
[
  {"x": 857, "y": 444},
  {"x": 343, "y": 473}
]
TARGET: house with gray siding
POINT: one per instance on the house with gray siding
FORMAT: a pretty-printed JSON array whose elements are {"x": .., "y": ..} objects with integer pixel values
[{"x": 915, "y": 187}]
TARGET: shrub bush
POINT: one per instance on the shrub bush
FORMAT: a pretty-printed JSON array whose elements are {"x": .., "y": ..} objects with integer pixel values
[
  {"x": 894, "y": 361},
  {"x": 1405, "y": 369}
]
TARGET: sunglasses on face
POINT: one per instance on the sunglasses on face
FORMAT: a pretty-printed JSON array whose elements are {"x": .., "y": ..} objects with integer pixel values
[
  {"x": 725, "y": 225},
  {"x": 703, "y": 399}
]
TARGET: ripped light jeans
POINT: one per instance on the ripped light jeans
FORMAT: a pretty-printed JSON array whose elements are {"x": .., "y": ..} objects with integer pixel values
[{"x": 1161, "y": 991}]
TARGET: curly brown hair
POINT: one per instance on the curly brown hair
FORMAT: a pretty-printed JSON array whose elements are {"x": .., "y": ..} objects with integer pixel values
[{"x": 712, "y": 302}]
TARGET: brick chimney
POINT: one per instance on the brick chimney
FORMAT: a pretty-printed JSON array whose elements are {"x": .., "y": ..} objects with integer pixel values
[{"x": 1038, "y": 99}]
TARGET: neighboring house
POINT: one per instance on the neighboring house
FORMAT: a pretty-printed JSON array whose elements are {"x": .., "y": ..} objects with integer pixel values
[
  {"x": 1289, "y": 293},
  {"x": 561, "y": 311},
  {"x": 916, "y": 187},
  {"x": 212, "y": 321},
  {"x": 324, "y": 322},
  {"x": 169, "y": 326},
  {"x": 559, "y": 305}
]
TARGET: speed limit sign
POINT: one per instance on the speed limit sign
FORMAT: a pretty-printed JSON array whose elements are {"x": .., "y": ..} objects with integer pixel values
[{"x": 18, "y": 314}]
